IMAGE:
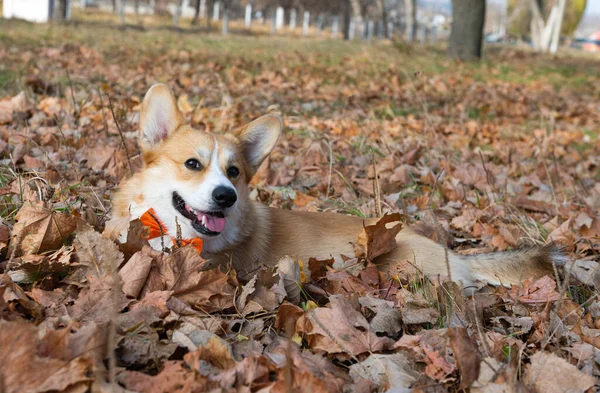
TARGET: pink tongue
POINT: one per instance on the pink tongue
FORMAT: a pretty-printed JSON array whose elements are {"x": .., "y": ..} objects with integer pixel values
[{"x": 215, "y": 224}]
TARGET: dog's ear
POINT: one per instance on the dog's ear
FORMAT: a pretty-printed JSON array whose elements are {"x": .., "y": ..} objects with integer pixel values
[
  {"x": 159, "y": 116},
  {"x": 258, "y": 138}
]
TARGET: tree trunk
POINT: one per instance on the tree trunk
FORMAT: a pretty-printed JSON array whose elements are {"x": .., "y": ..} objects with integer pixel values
[
  {"x": 466, "y": 37},
  {"x": 357, "y": 11},
  {"x": 61, "y": 10},
  {"x": 555, "y": 39},
  {"x": 209, "y": 8},
  {"x": 196, "y": 13},
  {"x": 410, "y": 8},
  {"x": 383, "y": 16},
  {"x": 347, "y": 16}
]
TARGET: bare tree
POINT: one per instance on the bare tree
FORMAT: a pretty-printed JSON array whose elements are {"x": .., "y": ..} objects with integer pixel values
[
  {"x": 347, "y": 15},
  {"x": 357, "y": 10},
  {"x": 466, "y": 36},
  {"x": 383, "y": 15},
  {"x": 61, "y": 9},
  {"x": 410, "y": 10},
  {"x": 196, "y": 12}
]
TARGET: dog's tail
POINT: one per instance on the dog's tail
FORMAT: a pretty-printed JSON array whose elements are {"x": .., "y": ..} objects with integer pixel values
[{"x": 511, "y": 267}]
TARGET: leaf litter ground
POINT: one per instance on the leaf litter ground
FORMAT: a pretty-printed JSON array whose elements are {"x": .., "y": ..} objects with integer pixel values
[{"x": 478, "y": 157}]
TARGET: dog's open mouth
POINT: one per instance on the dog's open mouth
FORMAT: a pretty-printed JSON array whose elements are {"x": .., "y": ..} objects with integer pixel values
[{"x": 206, "y": 223}]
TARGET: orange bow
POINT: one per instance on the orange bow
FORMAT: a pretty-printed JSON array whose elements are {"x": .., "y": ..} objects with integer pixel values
[{"x": 157, "y": 229}]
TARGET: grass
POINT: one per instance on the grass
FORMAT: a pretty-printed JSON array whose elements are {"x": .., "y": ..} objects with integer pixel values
[
  {"x": 312, "y": 53},
  {"x": 8, "y": 207}
]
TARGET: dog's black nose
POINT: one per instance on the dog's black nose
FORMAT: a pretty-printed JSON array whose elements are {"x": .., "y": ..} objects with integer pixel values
[{"x": 224, "y": 196}]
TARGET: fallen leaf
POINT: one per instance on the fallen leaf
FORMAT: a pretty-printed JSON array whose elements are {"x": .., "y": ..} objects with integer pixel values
[
  {"x": 181, "y": 272},
  {"x": 548, "y": 373},
  {"x": 387, "y": 319},
  {"x": 135, "y": 273},
  {"x": 101, "y": 302},
  {"x": 515, "y": 325},
  {"x": 377, "y": 239},
  {"x": 416, "y": 309},
  {"x": 437, "y": 367},
  {"x": 40, "y": 229},
  {"x": 490, "y": 380},
  {"x": 583, "y": 220},
  {"x": 287, "y": 314},
  {"x": 210, "y": 348},
  {"x": 247, "y": 290},
  {"x": 532, "y": 291},
  {"x": 11, "y": 293},
  {"x": 466, "y": 355},
  {"x": 174, "y": 377},
  {"x": 23, "y": 370},
  {"x": 466, "y": 221},
  {"x": 289, "y": 271},
  {"x": 386, "y": 371},
  {"x": 335, "y": 329},
  {"x": 563, "y": 234}
]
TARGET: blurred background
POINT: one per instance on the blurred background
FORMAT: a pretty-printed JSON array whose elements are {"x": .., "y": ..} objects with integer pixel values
[{"x": 423, "y": 21}]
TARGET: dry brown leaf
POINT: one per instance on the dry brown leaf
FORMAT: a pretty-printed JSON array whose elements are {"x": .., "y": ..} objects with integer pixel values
[
  {"x": 386, "y": 371},
  {"x": 40, "y": 229},
  {"x": 247, "y": 290},
  {"x": 37, "y": 267},
  {"x": 52, "y": 106},
  {"x": 489, "y": 380},
  {"x": 23, "y": 370},
  {"x": 98, "y": 255},
  {"x": 211, "y": 349},
  {"x": 416, "y": 309},
  {"x": 135, "y": 273},
  {"x": 181, "y": 272},
  {"x": 11, "y": 293},
  {"x": 466, "y": 221},
  {"x": 533, "y": 291},
  {"x": 4, "y": 236},
  {"x": 387, "y": 319},
  {"x": 141, "y": 349},
  {"x": 174, "y": 377},
  {"x": 339, "y": 328},
  {"x": 548, "y": 373},
  {"x": 289, "y": 271},
  {"x": 269, "y": 290},
  {"x": 305, "y": 382},
  {"x": 100, "y": 303},
  {"x": 466, "y": 355},
  {"x": 377, "y": 239},
  {"x": 563, "y": 234},
  {"x": 287, "y": 314},
  {"x": 583, "y": 220},
  {"x": 437, "y": 367}
]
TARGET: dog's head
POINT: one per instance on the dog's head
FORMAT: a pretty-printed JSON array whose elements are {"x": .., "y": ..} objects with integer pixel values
[{"x": 199, "y": 181}]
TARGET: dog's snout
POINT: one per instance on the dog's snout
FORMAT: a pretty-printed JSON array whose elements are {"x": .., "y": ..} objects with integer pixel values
[{"x": 224, "y": 196}]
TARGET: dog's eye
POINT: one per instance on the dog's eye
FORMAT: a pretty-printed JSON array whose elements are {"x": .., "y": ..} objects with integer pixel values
[
  {"x": 193, "y": 164},
  {"x": 232, "y": 171}
]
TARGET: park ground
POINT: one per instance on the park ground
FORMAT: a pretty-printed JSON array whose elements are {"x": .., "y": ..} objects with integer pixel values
[{"x": 485, "y": 157}]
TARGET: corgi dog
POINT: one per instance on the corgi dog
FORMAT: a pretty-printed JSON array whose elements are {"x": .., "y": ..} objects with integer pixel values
[{"x": 195, "y": 185}]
